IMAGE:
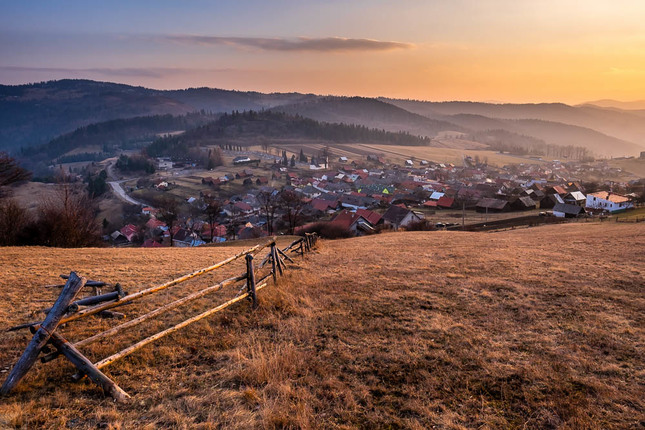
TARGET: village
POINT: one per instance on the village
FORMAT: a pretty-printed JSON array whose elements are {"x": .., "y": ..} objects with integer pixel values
[{"x": 259, "y": 193}]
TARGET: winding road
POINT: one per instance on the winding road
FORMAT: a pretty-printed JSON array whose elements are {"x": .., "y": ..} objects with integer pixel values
[{"x": 118, "y": 189}]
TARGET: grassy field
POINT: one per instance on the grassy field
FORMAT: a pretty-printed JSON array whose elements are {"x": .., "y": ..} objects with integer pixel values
[
  {"x": 528, "y": 329},
  {"x": 398, "y": 153}
]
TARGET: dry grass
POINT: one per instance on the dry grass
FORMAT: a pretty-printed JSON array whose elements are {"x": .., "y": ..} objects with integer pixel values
[{"x": 536, "y": 328}]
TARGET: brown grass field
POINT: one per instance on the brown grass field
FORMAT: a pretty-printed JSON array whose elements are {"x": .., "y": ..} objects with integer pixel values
[{"x": 540, "y": 328}]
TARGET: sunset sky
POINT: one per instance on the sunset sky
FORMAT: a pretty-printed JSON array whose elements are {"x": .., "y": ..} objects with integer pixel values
[{"x": 493, "y": 50}]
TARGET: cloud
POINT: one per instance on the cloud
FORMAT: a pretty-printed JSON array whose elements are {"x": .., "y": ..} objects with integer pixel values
[{"x": 300, "y": 44}]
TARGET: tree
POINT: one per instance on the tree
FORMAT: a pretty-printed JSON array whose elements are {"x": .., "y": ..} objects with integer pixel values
[
  {"x": 68, "y": 219},
  {"x": 293, "y": 161},
  {"x": 212, "y": 210},
  {"x": 269, "y": 202},
  {"x": 292, "y": 203},
  {"x": 302, "y": 158},
  {"x": 10, "y": 171},
  {"x": 168, "y": 213},
  {"x": 13, "y": 220}
]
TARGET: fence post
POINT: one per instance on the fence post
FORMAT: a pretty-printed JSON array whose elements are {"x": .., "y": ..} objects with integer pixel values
[
  {"x": 44, "y": 332},
  {"x": 250, "y": 280},
  {"x": 274, "y": 260}
]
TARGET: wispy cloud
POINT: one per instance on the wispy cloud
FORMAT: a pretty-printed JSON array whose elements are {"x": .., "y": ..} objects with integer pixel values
[{"x": 300, "y": 44}]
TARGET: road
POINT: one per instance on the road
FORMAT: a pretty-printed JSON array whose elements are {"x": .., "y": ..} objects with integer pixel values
[{"x": 118, "y": 189}]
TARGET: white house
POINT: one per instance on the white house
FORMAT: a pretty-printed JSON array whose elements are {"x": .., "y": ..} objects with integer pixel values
[
  {"x": 164, "y": 163},
  {"x": 608, "y": 201}
]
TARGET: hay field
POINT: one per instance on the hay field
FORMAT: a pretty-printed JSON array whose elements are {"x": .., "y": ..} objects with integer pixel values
[{"x": 529, "y": 329}]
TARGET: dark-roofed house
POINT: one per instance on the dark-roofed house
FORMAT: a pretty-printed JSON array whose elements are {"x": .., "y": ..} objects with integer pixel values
[
  {"x": 523, "y": 203},
  {"x": 492, "y": 205},
  {"x": 564, "y": 210},
  {"x": 398, "y": 216}
]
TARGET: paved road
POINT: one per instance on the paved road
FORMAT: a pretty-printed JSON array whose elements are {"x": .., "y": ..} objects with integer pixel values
[
  {"x": 118, "y": 189},
  {"x": 120, "y": 193}
]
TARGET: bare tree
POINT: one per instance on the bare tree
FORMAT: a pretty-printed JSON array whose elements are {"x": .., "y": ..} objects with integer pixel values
[
  {"x": 292, "y": 203},
  {"x": 10, "y": 171},
  {"x": 168, "y": 213},
  {"x": 269, "y": 202},
  {"x": 212, "y": 211},
  {"x": 13, "y": 220},
  {"x": 68, "y": 219}
]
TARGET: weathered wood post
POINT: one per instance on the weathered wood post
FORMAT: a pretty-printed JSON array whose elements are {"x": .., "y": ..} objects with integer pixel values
[
  {"x": 274, "y": 260},
  {"x": 250, "y": 280},
  {"x": 44, "y": 332},
  {"x": 88, "y": 368}
]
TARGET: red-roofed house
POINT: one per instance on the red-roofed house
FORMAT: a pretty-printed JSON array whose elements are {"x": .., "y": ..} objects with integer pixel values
[
  {"x": 129, "y": 231},
  {"x": 445, "y": 202},
  {"x": 371, "y": 216},
  {"x": 352, "y": 222}
]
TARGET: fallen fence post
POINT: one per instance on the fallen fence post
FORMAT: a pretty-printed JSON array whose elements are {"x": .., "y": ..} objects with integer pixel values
[
  {"x": 284, "y": 255},
  {"x": 44, "y": 332},
  {"x": 250, "y": 280},
  {"x": 87, "y": 367}
]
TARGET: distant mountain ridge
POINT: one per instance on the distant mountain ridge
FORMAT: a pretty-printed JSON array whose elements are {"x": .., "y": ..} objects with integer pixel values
[{"x": 34, "y": 114}]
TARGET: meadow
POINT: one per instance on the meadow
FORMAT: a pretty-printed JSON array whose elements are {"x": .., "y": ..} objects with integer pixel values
[{"x": 526, "y": 329}]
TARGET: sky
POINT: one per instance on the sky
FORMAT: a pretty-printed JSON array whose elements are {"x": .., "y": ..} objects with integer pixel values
[{"x": 481, "y": 50}]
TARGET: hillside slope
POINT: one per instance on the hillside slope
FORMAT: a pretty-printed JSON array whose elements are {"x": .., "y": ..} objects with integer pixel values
[
  {"x": 536, "y": 328},
  {"x": 371, "y": 113},
  {"x": 606, "y": 132}
]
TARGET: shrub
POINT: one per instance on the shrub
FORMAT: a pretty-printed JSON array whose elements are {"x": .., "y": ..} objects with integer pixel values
[
  {"x": 421, "y": 225},
  {"x": 327, "y": 230}
]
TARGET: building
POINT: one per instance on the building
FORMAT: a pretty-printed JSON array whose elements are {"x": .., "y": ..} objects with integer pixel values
[
  {"x": 399, "y": 216},
  {"x": 564, "y": 210},
  {"x": 608, "y": 201}
]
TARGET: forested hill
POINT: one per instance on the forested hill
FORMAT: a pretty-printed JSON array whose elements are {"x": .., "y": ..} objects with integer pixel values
[
  {"x": 117, "y": 134},
  {"x": 253, "y": 127}
]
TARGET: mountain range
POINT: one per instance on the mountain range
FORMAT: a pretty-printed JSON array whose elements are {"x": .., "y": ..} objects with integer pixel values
[{"x": 34, "y": 114}]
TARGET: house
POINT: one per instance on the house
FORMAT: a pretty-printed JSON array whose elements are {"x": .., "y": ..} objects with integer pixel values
[
  {"x": 608, "y": 201},
  {"x": 523, "y": 203},
  {"x": 130, "y": 231},
  {"x": 550, "y": 200},
  {"x": 185, "y": 238},
  {"x": 241, "y": 160},
  {"x": 118, "y": 238},
  {"x": 565, "y": 210},
  {"x": 372, "y": 217},
  {"x": 575, "y": 198},
  {"x": 352, "y": 222},
  {"x": 342, "y": 159},
  {"x": 400, "y": 216},
  {"x": 409, "y": 163},
  {"x": 445, "y": 202},
  {"x": 164, "y": 163},
  {"x": 492, "y": 205}
]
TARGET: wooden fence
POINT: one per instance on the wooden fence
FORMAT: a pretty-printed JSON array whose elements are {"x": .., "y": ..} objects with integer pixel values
[{"x": 65, "y": 310}]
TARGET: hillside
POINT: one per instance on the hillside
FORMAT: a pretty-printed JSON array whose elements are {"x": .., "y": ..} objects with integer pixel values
[
  {"x": 604, "y": 131},
  {"x": 251, "y": 128},
  {"x": 117, "y": 133},
  {"x": 370, "y": 113},
  {"x": 535, "y": 328},
  {"x": 32, "y": 115}
]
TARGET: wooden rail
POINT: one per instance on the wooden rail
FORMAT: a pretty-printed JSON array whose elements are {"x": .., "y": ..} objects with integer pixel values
[{"x": 66, "y": 310}]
